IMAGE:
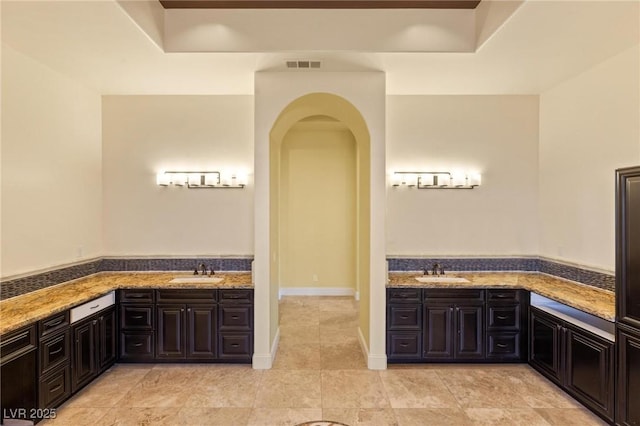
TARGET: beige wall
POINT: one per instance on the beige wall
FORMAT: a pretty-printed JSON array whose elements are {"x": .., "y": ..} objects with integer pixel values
[
  {"x": 494, "y": 135},
  {"x": 145, "y": 134},
  {"x": 51, "y": 168},
  {"x": 318, "y": 206},
  {"x": 589, "y": 126}
]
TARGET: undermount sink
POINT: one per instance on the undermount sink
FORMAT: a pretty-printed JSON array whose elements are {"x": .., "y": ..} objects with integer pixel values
[
  {"x": 442, "y": 280},
  {"x": 196, "y": 279}
]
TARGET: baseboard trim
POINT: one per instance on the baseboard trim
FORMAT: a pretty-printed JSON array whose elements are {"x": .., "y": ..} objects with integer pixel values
[
  {"x": 265, "y": 361},
  {"x": 374, "y": 362},
  {"x": 316, "y": 291}
]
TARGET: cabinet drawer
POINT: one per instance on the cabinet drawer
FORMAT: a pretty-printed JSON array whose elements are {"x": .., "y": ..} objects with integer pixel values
[
  {"x": 136, "y": 295},
  {"x": 54, "y": 323},
  {"x": 235, "y": 346},
  {"x": 135, "y": 317},
  {"x": 236, "y": 317},
  {"x": 404, "y": 346},
  {"x": 503, "y": 345},
  {"x": 136, "y": 346},
  {"x": 236, "y": 296},
  {"x": 96, "y": 305},
  {"x": 503, "y": 295},
  {"x": 16, "y": 343},
  {"x": 404, "y": 295},
  {"x": 453, "y": 294},
  {"x": 55, "y": 388},
  {"x": 54, "y": 351},
  {"x": 186, "y": 296},
  {"x": 404, "y": 317},
  {"x": 503, "y": 317}
]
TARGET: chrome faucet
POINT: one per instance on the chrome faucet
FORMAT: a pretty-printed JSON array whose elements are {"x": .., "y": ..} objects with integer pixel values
[
  {"x": 203, "y": 268},
  {"x": 437, "y": 269}
]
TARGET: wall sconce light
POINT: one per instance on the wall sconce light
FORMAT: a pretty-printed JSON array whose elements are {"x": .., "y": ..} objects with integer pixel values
[
  {"x": 210, "y": 179},
  {"x": 435, "y": 180}
]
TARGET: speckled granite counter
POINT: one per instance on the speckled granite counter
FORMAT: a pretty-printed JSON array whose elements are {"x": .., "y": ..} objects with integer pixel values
[
  {"x": 22, "y": 310},
  {"x": 589, "y": 299}
]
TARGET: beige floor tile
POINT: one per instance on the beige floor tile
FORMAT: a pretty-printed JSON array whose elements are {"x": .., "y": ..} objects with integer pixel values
[
  {"x": 300, "y": 317},
  {"x": 361, "y": 416},
  {"x": 505, "y": 417},
  {"x": 296, "y": 334},
  {"x": 338, "y": 319},
  {"x": 297, "y": 356},
  {"x": 481, "y": 388},
  {"x": 164, "y": 386},
  {"x": 570, "y": 417},
  {"x": 417, "y": 389},
  {"x": 195, "y": 416},
  {"x": 289, "y": 389},
  {"x": 79, "y": 416},
  {"x": 353, "y": 389},
  {"x": 109, "y": 389},
  {"x": 226, "y": 386},
  {"x": 341, "y": 303},
  {"x": 136, "y": 417},
  {"x": 338, "y": 335},
  {"x": 342, "y": 356},
  {"x": 310, "y": 302},
  {"x": 283, "y": 416},
  {"x": 536, "y": 390},
  {"x": 431, "y": 417}
]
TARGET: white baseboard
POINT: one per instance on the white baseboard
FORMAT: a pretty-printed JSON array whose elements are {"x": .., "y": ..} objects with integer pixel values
[
  {"x": 265, "y": 361},
  {"x": 374, "y": 362},
  {"x": 316, "y": 291}
]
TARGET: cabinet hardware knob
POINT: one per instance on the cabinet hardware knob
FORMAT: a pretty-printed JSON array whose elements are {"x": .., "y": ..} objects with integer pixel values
[
  {"x": 95, "y": 322},
  {"x": 189, "y": 310},
  {"x": 182, "y": 310}
]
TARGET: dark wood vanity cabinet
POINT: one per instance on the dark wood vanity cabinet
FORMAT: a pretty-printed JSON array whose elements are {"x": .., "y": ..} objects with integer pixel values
[
  {"x": 137, "y": 322},
  {"x": 94, "y": 343},
  {"x": 19, "y": 372},
  {"x": 455, "y": 325},
  {"x": 581, "y": 362},
  {"x": 54, "y": 360},
  {"x": 628, "y": 405},
  {"x": 186, "y": 331}
]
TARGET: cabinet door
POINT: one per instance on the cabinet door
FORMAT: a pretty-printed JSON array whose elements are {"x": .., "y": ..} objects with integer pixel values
[
  {"x": 469, "y": 341},
  {"x": 201, "y": 326},
  {"x": 589, "y": 370},
  {"x": 544, "y": 344},
  {"x": 628, "y": 408},
  {"x": 83, "y": 366},
  {"x": 437, "y": 340},
  {"x": 171, "y": 331},
  {"x": 107, "y": 340}
]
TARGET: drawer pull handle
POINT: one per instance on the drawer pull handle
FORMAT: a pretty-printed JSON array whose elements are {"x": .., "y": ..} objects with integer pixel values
[
  {"x": 55, "y": 352},
  {"x": 55, "y": 388},
  {"x": 404, "y": 316},
  {"x": 501, "y": 345},
  {"x": 94, "y": 307},
  {"x": 501, "y": 317},
  {"x": 136, "y": 296},
  {"x": 235, "y": 345},
  {"x": 234, "y": 317},
  {"x": 137, "y": 345},
  {"x": 136, "y": 317},
  {"x": 404, "y": 345},
  {"x": 53, "y": 324},
  {"x": 501, "y": 296}
]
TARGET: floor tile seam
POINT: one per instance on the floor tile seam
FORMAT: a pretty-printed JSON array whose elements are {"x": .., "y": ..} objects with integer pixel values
[
  {"x": 444, "y": 382},
  {"x": 258, "y": 387},
  {"x": 498, "y": 408}
]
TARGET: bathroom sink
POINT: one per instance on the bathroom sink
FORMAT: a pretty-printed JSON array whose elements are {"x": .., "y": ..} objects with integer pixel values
[
  {"x": 442, "y": 280},
  {"x": 196, "y": 279}
]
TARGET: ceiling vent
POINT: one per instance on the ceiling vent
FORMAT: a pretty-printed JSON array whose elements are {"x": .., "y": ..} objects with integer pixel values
[{"x": 303, "y": 64}]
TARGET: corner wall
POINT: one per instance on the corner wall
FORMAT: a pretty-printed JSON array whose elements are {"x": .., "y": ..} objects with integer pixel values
[
  {"x": 589, "y": 126},
  {"x": 51, "y": 168}
]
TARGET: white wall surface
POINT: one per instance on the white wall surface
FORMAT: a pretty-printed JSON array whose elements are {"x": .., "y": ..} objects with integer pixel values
[
  {"x": 143, "y": 135},
  {"x": 494, "y": 135},
  {"x": 51, "y": 167},
  {"x": 589, "y": 126}
]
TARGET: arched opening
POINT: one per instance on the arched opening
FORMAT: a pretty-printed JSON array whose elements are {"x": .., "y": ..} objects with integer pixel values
[{"x": 348, "y": 127}]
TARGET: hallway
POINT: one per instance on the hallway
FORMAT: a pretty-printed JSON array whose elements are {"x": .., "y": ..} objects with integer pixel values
[{"x": 320, "y": 373}]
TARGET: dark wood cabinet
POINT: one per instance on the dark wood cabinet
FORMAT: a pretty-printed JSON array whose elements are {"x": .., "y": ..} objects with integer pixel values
[
  {"x": 170, "y": 335},
  {"x": 581, "y": 362},
  {"x": 628, "y": 404},
  {"x": 19, "y": 372},
  {"x": 456, "y": 325},
  {"x": 94, "y": 347},
  {"x": 201, "y": 331},
  {"x": 137, "y": 325}
]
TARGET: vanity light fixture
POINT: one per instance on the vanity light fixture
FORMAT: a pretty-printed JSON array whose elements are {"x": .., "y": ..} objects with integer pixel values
[
  {"x": 435, "y": 180},
  {"x": 208, "y": 179}
]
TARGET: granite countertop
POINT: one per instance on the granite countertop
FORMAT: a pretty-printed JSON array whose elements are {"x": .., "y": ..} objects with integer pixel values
[
  {"x": 595, "y": 301},
  {"x": 27, "y": 308}
]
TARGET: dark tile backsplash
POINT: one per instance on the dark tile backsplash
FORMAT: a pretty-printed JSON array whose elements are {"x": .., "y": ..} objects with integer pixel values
[
  {"x": 31, "y": 283},
  {"x": 35, "y": 282}
]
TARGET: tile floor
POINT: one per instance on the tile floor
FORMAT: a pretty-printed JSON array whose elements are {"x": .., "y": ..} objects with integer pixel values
[{"x": 320, "y": 373}]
